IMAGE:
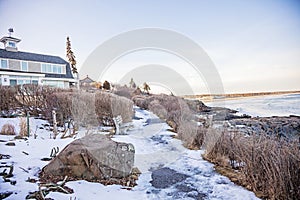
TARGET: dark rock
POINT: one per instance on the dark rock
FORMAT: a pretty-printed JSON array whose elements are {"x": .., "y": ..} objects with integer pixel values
[
  {"x": 10, "y": 144},
  {"x": 4, "y": 195},
  {"x": 184, "y": 188},
  {"x": 93, "y": 157},
  {"x": 166, "y": 177},
  {"x": 197, "y": 195},
  {"x": 286, "y": 127}
]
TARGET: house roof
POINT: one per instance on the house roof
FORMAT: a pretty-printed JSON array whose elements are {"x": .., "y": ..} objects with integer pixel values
[
  {"x": 5, "y": 38},
  {"x": 87, "y": 79},
  {"x": 20, "y": 55}
]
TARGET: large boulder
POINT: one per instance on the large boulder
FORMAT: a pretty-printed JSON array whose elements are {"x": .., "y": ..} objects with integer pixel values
[{"x": 94, "y": 158}]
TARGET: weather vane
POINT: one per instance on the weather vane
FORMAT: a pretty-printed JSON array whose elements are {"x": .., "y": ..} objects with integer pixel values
[{"x": 10, "y": 31}]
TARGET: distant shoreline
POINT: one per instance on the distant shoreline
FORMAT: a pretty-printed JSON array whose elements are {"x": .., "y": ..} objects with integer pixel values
[{"x": 214, "y": 97}]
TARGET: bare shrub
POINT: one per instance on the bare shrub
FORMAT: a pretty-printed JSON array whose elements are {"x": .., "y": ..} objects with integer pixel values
[
  {"x": 109, "y": 105},
  {"x": 187, "y": 132},
  {"x": 141, "y": 101},
  {"x": 122, "y": 106},
  {"x": 158, "y": 109},
  {"x": 8, "y": 129},
  {"x": 8, "y": 102},
  {"x": 83, "y": 109},
  {"x": 269, "y": 166},
  {"x": 23, "y": 127},
  {"x": 61, "y": 102},
  {"x": 124, "y": 91}
]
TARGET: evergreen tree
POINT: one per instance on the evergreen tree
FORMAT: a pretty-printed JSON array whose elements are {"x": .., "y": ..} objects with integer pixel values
[
  {"x": 146, "y": 88},
  {"x": 106, "y": 85},
  {"x": 71, "y": 57},
  {"x": 132, "y": 84}
]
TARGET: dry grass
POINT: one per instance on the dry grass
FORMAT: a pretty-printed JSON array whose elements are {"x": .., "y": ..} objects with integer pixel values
[
  {"x": 23, "y": 127},
  {"x": 8, "y": 129},
  {"x": 267, "y": 165}
]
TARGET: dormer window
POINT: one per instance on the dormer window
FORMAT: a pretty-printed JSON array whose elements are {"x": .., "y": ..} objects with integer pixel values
[{"x": 12, "y": 44}]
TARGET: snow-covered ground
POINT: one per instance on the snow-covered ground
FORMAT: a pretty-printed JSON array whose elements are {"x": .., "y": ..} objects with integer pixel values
[
  {"x": 155, "y": 149},
  {"x": 263, "y": 106}
]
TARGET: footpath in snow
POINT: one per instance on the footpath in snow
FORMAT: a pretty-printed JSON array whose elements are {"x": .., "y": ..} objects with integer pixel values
[{"x": 169, "y": 171}]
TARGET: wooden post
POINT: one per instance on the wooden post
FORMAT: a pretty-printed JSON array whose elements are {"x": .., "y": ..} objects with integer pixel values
[
  {"x": 28, "y": 128},
  {"x": 54, "y": 124}
]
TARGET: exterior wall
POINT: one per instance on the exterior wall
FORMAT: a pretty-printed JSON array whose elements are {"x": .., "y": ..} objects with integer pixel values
[
  {"x": 34, "y": 67},
  {"x": 67, "y": 84},
  {"x": 64, "y": 69},
  {"x": 14, "y": 65},
  {"x": 4, "y": 80}
]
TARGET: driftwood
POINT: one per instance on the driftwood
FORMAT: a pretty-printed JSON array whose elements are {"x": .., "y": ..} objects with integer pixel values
[
  {"x": 8, "y": 175},
  {"x": 46, "y": 188}
]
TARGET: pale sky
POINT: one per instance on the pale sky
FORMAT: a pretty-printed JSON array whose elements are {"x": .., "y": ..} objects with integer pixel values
[{"x": 255, "y": 45}]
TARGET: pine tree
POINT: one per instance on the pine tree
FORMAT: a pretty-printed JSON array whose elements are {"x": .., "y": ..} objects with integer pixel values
[
  {"x": 146, "y": 88},
  {"x": 106, "y": 85},
  {"x": 71, "y": 57},
  {"x": 132, "y": 84}
]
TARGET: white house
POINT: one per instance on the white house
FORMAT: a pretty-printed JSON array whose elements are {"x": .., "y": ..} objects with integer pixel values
[{"x": 17, "y": 67}]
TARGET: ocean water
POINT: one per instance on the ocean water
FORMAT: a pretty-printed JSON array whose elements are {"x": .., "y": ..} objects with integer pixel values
[{"x": 263, "y": 106}]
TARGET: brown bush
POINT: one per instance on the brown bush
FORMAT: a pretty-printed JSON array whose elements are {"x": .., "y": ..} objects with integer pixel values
[
  {"x": 187, "y": 132},
  {"x": 158, "y": 109},
  {"x": 61, "y": 102},
  {"x": 124, "y": 91},
  {"x": 109, "y": 105},
  {"x": 8, "y": 101},
  {"x": 269, "y": 166},
  {"x": 8, "y": 129},
  {"x": 33, "y": 98},
  {"x": 122, "y": 106},
  {"x": 83, "y": 109}
]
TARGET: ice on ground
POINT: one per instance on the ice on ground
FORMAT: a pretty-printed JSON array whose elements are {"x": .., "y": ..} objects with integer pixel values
[{"x": 263, "y": 106}]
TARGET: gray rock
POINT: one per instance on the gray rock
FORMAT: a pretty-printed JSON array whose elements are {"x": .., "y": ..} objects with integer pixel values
[
  {"x": 10, "y": 144},
  {"x": 93, "y": 157},
  {"x": 166, "y": 177}
]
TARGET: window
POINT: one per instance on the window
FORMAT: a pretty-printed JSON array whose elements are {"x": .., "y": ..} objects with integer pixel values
[
  {"x": 35, "y": 82},
  {"x": 59, "y": 84},
  {"x": 4, "y": 64},
  {"x": 12, "y": 82},
  {"x": 44, "y": 67},
  {"x": 59, "y": 69},
  {"x": 24, "y": 66},
  {"x": 54, "y": 69},
  {"x": 48, "y": 68},
  {"x": 11, "y": 44}
]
